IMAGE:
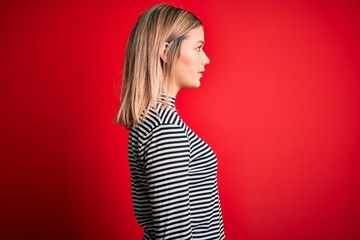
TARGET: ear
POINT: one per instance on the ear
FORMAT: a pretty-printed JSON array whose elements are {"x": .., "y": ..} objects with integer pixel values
[{"x": 163, "y": 51}]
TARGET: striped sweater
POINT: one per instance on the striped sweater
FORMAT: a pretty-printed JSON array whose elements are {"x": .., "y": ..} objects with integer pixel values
[{"x": 173, "y": 178}]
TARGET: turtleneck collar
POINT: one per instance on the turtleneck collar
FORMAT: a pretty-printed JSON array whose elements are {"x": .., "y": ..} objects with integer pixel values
[{"x": 165, "y": 99}]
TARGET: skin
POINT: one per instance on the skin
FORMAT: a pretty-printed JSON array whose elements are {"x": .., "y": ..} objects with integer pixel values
[{"x": 191, "y": 63}]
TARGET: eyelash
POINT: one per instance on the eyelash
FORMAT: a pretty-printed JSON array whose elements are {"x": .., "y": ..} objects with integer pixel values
[{"x": 199, "y": 49}]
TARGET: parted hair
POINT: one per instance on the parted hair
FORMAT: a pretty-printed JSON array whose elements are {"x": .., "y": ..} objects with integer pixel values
[{"x": 146, "y": 75}]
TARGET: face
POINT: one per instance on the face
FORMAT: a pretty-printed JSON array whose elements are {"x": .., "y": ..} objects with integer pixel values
[{"x": 189, "y": 67}]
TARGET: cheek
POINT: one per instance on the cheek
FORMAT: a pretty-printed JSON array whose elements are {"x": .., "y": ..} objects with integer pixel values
[
  {"x": 185, "y": 60},
  {"x": 186, "y": 70},
  {"x": 188, "y": 62}
]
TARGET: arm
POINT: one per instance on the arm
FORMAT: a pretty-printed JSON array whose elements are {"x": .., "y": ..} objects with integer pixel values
[{"x": 167, "y": 170}]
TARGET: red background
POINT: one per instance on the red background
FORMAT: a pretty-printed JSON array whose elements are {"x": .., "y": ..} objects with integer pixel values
[{"x": 279, "y": 104}]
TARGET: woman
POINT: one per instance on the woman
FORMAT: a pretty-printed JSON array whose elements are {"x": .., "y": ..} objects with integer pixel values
[{"x": 173, "y": 172}]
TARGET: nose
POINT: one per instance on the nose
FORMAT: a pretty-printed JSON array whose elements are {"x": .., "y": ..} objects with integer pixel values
[{"x": 205, "y": 60}]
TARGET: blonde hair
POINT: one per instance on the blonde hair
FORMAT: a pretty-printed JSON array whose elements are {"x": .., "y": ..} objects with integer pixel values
[{"x": 146, "y": 76}]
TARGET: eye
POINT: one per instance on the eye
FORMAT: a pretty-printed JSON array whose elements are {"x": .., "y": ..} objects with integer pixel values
[{"x": 199, "y": 49}]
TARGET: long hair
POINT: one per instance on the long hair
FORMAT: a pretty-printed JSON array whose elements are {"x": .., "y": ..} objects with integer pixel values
[{"x": 146, "y": 76}]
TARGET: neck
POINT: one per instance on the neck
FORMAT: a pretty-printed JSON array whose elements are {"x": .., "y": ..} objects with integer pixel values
[
  {"x": 174, "y": 93},
  {"x": 174, "y": 89}
]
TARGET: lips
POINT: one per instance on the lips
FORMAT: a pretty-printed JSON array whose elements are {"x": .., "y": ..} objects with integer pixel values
[{"x": 201, "y": 72}]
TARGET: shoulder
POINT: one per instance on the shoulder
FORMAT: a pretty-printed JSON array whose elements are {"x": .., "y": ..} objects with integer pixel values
[{"x": 158, "y": 119}]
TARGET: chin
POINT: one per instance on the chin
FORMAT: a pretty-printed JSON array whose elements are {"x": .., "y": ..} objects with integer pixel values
[
  {"x": 193, "y": 84},
  {"x": 196, "y": 85}
]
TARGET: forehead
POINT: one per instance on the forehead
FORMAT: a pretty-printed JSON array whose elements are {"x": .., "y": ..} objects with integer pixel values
[{"x": 195, "y": 35}]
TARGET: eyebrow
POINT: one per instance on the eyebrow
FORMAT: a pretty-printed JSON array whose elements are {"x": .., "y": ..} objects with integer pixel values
[{"x": 201, "y": 41}]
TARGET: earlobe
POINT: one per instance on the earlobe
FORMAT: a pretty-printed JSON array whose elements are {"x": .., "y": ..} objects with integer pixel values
[{"x": 163, "y": 52}]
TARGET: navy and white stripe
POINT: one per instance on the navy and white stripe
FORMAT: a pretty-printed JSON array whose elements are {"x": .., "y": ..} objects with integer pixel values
[{"x": 173, "y": 178}]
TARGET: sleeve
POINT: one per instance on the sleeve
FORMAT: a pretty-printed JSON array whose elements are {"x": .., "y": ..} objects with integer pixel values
[{"x": 167, "y": 171}]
